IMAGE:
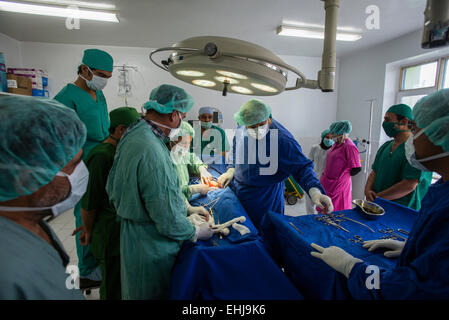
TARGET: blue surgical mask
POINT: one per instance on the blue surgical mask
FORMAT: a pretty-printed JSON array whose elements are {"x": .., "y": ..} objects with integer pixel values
[{"x": 328, "y": 142}]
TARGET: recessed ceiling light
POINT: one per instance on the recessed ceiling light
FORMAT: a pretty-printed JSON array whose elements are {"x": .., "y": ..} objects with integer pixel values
[{"x": 315, "y": 33}]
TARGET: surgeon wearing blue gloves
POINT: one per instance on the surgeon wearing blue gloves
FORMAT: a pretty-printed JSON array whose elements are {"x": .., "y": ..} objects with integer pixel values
[
  {"x": 422, "y": 270},
  {"x": 258, "y": 183}
]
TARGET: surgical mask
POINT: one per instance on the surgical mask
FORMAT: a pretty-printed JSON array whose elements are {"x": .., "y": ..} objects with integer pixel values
[
  {"x": 78, "y": 185},
  {"x": 173, "y": 131},
  {"x": 328, "y": 142},
  {"x": 206, "y": 125},
  {"x": 258, "y": 133},
  {"x": 97, "y": 83},
  {"x": 390, "y": 129},
  {"x": 411, "y": 155}
]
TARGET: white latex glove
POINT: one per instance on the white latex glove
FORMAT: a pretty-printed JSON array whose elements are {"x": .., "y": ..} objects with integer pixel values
[
  {"x": 199, "y": 188},
  {"x": 201, "y": 211},
  {"x": 321, "y": 201},
  {"x": 225, "y": 178},
  {"x": 336, "y": 258},
  {"x": 205, "y": 175},
  {"x": 395, "y": 247},
  {"x": 203, "y": 232},
  {"x": 196, "y": 219}
]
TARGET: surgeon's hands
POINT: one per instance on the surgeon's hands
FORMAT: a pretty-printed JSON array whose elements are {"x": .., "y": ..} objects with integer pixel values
[
  {"x": 320, "y": 200},
  {"x": 85, "y": 235},
  {"x": 199, "y": 188},
  {"x": 201, "y": 211},
  {"x": 336, "y": 258},
  {"x": 206, "y": 176},
  {"x": 395, "y": 247},
  {"x": 226, "y": 178},
  {"x": 203, "y": 232}
]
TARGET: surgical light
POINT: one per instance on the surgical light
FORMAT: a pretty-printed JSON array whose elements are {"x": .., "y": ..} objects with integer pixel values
[
  {"x": 436, "y": 24},
  {"x": 204, "y": 83},
  {"x": 228, "y": 80},
  {"x": 248, "y": 63},
  {"x": 190, "y": 73},
  {"x": 58, "y": 11}
]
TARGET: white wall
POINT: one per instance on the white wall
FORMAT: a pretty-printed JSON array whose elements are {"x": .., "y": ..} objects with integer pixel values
[
  {"x": 304, "y": 112},
  {"x": 373, "y": 74},
  {"x": 11, "y": 51}
]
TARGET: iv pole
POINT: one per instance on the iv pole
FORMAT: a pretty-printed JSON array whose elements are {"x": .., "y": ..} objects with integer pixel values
[{"x": 368, "y": 154}]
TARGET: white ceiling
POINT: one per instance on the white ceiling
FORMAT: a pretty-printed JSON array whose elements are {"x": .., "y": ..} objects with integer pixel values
[{"x": 160, "y": 23}]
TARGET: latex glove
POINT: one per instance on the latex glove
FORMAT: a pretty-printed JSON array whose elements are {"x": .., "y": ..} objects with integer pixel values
[
  {"x": 225, "y": 178},
  {"x": 322, "y": 201},
  {"x": 395, "y": 247},
  {"x": 199, "y": 188},
  {"x": 203, "y": 232},
  {"x": 196, "y": 219},
  {"x": 201, "y": 211},
  {"x": 206, "y": 177},
  {"x": 336, "y": 258}
]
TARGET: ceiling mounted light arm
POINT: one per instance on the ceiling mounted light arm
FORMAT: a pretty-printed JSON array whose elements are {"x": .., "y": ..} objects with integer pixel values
[{"x": 164, "y": 66}]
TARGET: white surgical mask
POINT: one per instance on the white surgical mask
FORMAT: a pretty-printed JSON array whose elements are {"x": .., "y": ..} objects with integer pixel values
[
  {"x": 258, "y": 133},
  {"x": 173, "y": 131},
  {"x": 97, "y": 83},
  {"x": 411, "y": 155},
  {"x": 78, "y": 185}
]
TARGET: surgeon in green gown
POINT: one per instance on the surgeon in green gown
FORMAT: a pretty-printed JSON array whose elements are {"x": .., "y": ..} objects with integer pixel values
[
  {"x": 41, "y": 175},
  {"x": 189, "y": 165},
  {"x": 100, "y": 227},
  {"x": 144, "y": 187},
  {"x": 392, "y": 177},
  {"x": 85, "y": 96}
]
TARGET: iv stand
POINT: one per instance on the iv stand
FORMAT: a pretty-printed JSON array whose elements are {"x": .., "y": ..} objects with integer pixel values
[{"x": 123, "y": 68}]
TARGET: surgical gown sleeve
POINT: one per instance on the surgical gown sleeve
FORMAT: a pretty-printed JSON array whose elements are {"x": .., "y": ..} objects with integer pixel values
[
  {"x": 162, "y": 197},
  {"x": 293, "y": 161},
  {"x": 194, "y": 164}
]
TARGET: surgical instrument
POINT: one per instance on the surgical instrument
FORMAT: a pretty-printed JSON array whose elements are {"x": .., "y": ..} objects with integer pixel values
[{"x": 291, "y": 223}]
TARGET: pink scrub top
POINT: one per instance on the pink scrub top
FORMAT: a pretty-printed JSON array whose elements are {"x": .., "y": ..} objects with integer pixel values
[{"x": 336, "y": 178}]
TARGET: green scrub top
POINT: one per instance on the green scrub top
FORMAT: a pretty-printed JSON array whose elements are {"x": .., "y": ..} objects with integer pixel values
[
  {"x": 188, "y": 165},
  {"x": 106, "y": 232},
  {"x": 392, "y": 168},
  {"x": 208, "y": 145},
  {"x": 143, "y": 186},
  {"x": 94, "y": 114},
  {"x": 31, "y": 268}
]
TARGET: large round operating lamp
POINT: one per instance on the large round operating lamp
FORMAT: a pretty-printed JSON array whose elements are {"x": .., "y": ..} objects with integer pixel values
[{"x": 240, "y": 67}]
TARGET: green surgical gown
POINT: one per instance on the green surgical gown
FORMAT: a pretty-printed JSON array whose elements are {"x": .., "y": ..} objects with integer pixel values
[
  {"x": 94, "y": 115},
  {"x": 31, "y": 268},
  {"x": 143, "y": 186},
  {"x": 392, "y": 168},
  {"x": 105, "y": 242},
  {"x": 188, "y": 165},
  {"x": 209, "y": 145}
]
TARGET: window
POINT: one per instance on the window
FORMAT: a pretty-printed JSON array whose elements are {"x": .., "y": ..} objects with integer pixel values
[{"x": 419, "y": 80}]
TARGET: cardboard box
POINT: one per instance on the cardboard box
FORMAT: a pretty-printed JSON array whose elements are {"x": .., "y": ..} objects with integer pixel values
[{"x": 19, "y": 85}]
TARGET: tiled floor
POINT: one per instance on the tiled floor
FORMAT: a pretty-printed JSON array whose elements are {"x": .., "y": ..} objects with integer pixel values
[{"x": 64, "y": 225}]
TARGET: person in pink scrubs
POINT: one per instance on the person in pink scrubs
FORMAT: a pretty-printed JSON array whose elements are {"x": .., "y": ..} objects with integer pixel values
[{"x": 342, "y": 162}]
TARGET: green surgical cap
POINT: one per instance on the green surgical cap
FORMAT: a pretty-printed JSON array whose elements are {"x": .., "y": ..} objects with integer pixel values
[
  {"x": 123, "y": 116},
  {"x": 341, "y": 127},
  {"x": 167, "y": 98},
  {"x": 98, "y": 59},
  {"x": 402, "y": 110},
  {"x": 252, "y": 112},
  {"x": 324, "y": 133},
  {"x": 432, "y": 114},
  {"x": 39, "y": 137}
]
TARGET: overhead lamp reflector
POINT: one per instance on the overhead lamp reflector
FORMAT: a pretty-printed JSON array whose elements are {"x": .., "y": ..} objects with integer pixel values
[
  {"x": 315, "y": 33},
  {"x": 263, "y": 87},
  {"x": 232, "y": 74},
  {"x": 58, "y": 11},
  {"x": 190, "y": 73},
  {"x": 242, "y": 90},
  {"x": 204, "y": 83},
  {"x": 226, "y": 79}
]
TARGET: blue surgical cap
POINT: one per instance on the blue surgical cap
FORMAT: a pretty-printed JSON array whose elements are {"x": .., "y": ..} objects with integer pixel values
[
  {"x": 432, "y": 114},
  {"x": 206, "y": 110},
  {"x": 341, "y": 127},
  {"x": 39, "y": 137},
  {"x": 252, "y": 112},
  {"x": 167, "y": 98}
]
